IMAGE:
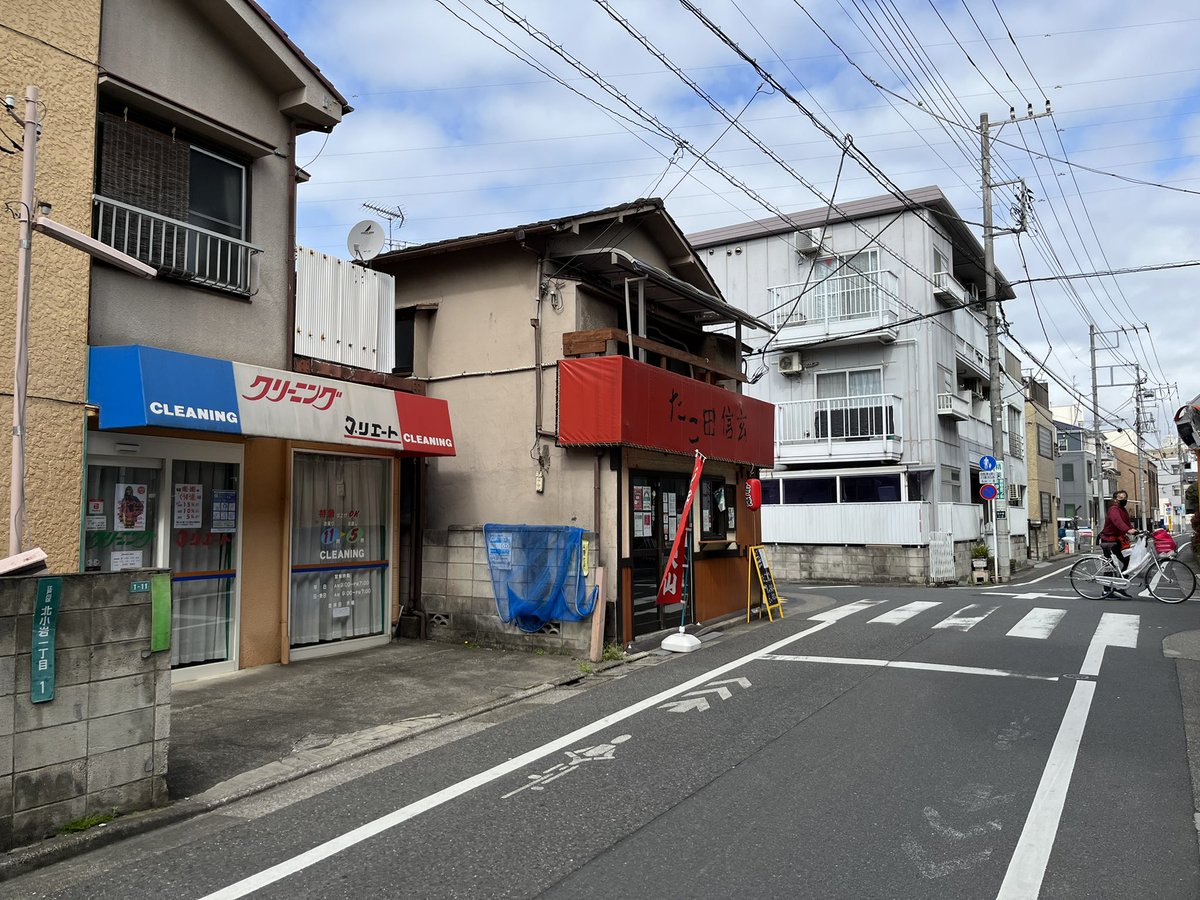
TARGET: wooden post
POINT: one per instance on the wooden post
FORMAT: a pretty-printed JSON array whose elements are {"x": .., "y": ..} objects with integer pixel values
[{"x": 598, "y": 617}]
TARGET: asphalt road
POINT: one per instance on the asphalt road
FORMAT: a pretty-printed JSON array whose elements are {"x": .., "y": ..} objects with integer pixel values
[{"x": 901, "y": 743}]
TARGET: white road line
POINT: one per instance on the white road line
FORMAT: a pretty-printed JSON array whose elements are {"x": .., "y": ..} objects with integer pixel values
[
  {"x": 992, "y": 587},
  {"x": 966, "y": 617},
  {"x": 1038, "y": 623},
  {"x": 1027, "y": 868},
  {"x": 332, "y": 847},
  {"x": 904, "y": 613},
  {"x": 904, "y": 664},
  {"x": 840, "y": 612}
]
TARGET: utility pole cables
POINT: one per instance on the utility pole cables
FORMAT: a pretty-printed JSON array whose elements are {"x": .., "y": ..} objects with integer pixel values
[{"x": 1003, "y": 543}]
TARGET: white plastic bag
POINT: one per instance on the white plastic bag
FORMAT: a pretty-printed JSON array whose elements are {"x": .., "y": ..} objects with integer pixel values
[{"x": 1139, "y": 556}]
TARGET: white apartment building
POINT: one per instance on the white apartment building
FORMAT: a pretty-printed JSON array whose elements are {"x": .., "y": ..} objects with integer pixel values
[{"x": 880, "y": 378}]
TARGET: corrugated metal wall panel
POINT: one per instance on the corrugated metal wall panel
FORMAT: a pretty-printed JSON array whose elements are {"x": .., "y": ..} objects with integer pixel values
[{"x": 344, "y": 312}]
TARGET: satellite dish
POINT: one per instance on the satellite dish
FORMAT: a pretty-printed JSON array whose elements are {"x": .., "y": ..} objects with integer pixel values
[{"x": 365, "y": 240}]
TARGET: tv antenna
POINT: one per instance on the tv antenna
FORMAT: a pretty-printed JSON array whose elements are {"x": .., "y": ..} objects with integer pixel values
[{"x": 393, "y": 214}]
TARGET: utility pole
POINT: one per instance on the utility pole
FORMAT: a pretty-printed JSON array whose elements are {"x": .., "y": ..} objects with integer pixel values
[
  {"x": 1098, "y": 481},
  {"x": 1139, "y": 424},
  {"x": 1000, "y": 524},
  {"x": 16, "y": 498}
]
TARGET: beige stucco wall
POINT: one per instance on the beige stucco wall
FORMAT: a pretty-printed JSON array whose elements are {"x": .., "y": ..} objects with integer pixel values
[
  {"x": 1040, "y": 470},
  {"x": 53, "y": 46}
]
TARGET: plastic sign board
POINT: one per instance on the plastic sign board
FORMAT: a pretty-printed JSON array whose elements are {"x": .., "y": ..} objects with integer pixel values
[
  {"x": 987, "y": 463},
  {"x": 988, "y": 491}
]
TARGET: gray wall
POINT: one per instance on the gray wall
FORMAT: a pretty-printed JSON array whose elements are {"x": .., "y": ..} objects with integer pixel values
[{"x": 101, "y": 744}]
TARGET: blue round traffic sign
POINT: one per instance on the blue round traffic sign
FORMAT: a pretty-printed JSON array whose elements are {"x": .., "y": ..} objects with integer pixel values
[
  {"x": 988, "y": 491},
  {"x": 987, "y": 463}
]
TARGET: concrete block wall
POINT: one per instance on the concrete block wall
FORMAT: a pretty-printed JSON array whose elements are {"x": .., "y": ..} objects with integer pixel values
[
  {"x": 100, "y": 746},
  {"x": 873, "y": 564},
  {"x": 456, "y": 591},
  {"x": 854, "y": 565}
]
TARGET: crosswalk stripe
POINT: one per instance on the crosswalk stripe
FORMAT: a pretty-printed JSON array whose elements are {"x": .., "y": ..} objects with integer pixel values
[
  {"x": 1038, "y": 623},
  {"x": 905, "y": 612},
  {"x": 966, "y": 617}
]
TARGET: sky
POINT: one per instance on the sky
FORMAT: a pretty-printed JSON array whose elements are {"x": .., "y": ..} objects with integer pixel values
[{"x": 466, "y": 122}]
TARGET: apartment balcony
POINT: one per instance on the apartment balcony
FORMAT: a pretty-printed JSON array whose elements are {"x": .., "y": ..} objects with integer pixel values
[
  {"x": 954, "y": 406},
  {"x": 177, "y": 249},
  {"x": 947, "y": 289},
  {"x": 853, "y": 308},
  {"x": 867, "y": 428}
]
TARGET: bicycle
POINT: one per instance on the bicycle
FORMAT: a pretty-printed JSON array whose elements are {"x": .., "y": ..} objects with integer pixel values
[{"x": 1096, "y": 577}]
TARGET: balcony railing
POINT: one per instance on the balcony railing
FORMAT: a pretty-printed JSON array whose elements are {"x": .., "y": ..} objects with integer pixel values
[
  {"x": 177, "y": 249},
  {"x": 954, "y": 406},
  {"x": 850, "y": 297},
  {"x": 947, "y": 287},
  {"x": 856, "y": 426}
]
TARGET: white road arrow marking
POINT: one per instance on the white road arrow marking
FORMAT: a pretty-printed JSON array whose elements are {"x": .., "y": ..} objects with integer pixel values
[
  {"x": 722, "y": 692},
  {"x": 680, "y": 706},
  {"x": 744, "y": 682}
]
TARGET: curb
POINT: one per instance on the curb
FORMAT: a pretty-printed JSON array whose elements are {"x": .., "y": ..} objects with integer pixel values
[{"x": 20, "y": 860}]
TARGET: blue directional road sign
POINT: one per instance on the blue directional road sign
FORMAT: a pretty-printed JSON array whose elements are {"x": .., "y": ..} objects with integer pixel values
[
  {"x": 988, "y": 491},
  {"x": 987, "y": 463}
]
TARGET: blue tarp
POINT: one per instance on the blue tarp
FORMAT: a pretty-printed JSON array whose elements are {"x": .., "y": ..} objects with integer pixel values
[{"x": 537, "y": 574}]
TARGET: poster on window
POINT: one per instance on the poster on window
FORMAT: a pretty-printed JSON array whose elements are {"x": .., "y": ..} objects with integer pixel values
[
  {"x": 224, "y": 512},
  {"x": 189, "y": 506},
  {"x": 131, "y": 507}
]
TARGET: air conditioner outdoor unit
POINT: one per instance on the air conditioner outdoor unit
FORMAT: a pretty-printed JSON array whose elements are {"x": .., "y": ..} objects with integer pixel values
[
  {"x": 814, "y": 241},
  {"x": 791, "y": 364}
]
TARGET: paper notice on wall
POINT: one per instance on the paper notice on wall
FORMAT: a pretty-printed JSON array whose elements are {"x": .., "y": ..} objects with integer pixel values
[
  {"x": 125, "y": 559},
  {"x": 189, "y": 506},
  {"x": 95, "y": 523},
  {"x": 95, "y": 507}
]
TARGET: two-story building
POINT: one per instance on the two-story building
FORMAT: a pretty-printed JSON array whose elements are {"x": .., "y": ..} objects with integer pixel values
[
  {"x": 879, "y": 373},
  {"x": 172, "y": 422},
  {"x": 579, "y": 361}
]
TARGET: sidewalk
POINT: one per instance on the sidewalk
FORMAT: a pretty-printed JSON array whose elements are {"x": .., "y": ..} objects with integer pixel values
[{"x": 237, "y": 735}]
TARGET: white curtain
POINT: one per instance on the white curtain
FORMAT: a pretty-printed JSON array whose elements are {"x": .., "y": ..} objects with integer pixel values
[{"x": 339, "y": 547}]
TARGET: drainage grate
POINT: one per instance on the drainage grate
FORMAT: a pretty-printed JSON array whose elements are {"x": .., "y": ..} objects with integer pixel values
[
  {"x": 440, "y": 620},
  {"x": 551, "y": 628}
]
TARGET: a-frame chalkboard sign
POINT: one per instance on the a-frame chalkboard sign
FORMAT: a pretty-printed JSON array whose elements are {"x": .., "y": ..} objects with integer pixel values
[{"x": 766, "y": 581}]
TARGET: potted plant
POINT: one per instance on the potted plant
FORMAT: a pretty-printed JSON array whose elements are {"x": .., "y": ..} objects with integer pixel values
[{"x": 979, "y": 555}]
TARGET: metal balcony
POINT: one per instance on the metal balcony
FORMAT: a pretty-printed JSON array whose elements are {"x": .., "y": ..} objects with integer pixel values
[
  {"x": 947, "y": 289},
  {"x": 850, "y": 308},
  {"x": 839, "y": 428},
  {"x": 176, "y": 249},
  {"x": 954, "y": 406}
]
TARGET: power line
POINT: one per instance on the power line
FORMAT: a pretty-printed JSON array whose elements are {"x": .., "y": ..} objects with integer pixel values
[{"x": 1131, "y": 270}]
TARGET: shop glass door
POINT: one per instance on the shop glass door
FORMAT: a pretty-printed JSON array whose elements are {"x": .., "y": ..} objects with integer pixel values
[
  {"x": 339, "y": 565},
  {"x": 655, "y": 507},
  {"x": 203, "y": 554}
]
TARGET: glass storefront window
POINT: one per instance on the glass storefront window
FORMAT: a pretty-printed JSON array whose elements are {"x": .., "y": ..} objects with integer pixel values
[
  {"x": 339, "y": 564},
  {"x": 121, "y": 518}
]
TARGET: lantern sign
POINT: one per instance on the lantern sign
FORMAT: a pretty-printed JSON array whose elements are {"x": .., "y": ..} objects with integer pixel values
[{"x": 753, "y": 493}]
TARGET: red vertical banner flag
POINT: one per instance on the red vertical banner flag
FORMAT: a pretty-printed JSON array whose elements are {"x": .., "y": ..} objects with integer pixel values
[{"x": 670, "y": 590}]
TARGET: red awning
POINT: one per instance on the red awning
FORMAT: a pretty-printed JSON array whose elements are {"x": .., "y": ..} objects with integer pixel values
[{"x": 614, "y": 400}]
